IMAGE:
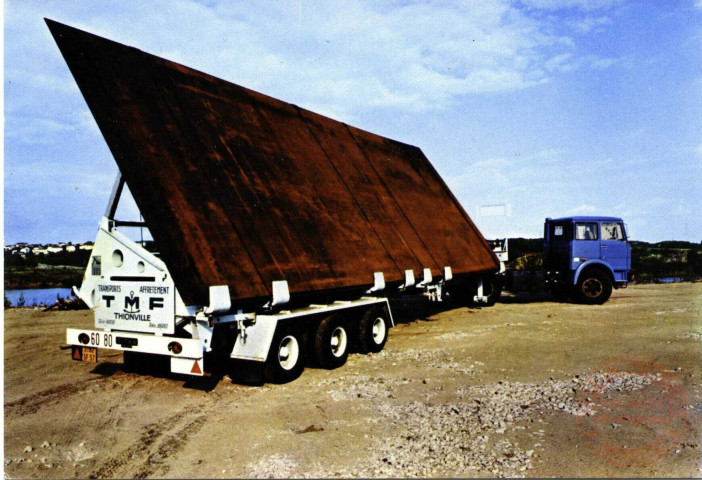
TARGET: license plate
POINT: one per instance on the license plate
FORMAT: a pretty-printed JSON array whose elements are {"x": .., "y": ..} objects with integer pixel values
[{"x": 84, "y": 354}]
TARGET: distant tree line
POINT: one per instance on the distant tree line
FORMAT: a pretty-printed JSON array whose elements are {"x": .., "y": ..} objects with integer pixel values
[
  {"x": 78, "y": 258},
  {"x": 45, "y": 270},
  {"x": 649, "y": 261}
]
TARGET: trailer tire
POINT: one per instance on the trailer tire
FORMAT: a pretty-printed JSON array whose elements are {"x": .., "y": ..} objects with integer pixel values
[
  {"x": 373, "y": 330},
  {"x": 286, "y": 359},
  {"x": 331, "y": 342},
  {"x": 593, "y": 288}
]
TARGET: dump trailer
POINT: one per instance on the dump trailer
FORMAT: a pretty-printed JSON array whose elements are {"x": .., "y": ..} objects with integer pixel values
[
  {"x": 584, "y": 258},
  {"x": 278, "y": 234}
]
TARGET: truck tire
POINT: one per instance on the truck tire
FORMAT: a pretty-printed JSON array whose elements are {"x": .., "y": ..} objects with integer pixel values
[
  {"x": 594, "y": 287},
  {"x": 286, "y": 359},
  {"x": 331, "y": 342},
  {"x": 492, "y": 289},
  {"x": 373, "y": 330}
]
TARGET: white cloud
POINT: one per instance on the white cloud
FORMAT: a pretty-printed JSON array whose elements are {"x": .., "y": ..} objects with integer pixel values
[
  {"x": 560, "y": 63},
  {"x": 584, "y": 5},
  {"x": 46, "y": 129},
  {"x": 582, "y": 209},
  {"x": 588, "y": 24},
  {"x": 348, "y": 57},
  {"x": 602, "y": 63}
]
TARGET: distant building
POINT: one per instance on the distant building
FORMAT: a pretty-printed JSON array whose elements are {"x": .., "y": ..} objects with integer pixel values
[{"x": 24, "y": 248}]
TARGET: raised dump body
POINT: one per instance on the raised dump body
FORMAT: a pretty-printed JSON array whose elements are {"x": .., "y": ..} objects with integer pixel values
[{"x": 243, "y": 191}]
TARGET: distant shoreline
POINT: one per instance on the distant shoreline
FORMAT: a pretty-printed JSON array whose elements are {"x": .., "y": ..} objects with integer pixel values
[
  {"x": 52, "y": 279},
  {"x": 63, "y": 265}
]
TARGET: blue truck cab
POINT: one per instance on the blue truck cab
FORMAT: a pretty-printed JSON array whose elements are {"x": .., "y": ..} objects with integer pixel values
[{"x": 585, "y": 257}]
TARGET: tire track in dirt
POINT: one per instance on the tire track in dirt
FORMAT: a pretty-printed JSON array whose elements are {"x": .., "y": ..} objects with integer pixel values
[
  {"x": 172, "y": 444},
  {"x": 31, "y": 403},
  {"x": 146, "y": 457},
  {"x": 161, "y": 440}
]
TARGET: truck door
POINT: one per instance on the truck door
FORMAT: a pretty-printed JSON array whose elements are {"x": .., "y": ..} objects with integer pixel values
[
  {"x": 586, "y": 242},
  {"x": 614, "y": 249}
]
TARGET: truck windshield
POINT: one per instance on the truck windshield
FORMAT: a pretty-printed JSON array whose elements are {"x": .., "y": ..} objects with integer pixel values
[
  {"x": 612, "y": 232},
  {"x": 586, "y": 231}
]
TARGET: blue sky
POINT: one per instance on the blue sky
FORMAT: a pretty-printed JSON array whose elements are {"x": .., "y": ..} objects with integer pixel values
[{"x": 528, "y": 109}]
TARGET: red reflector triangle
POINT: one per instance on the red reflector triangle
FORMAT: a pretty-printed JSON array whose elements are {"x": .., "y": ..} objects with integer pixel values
[
  {"x": 196, "y": 368},
  {"x": 76, "y": 353}
]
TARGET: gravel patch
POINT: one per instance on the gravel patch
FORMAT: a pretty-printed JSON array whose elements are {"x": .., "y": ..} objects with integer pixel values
[
  {"x": 345, "y": 387},
  {"x": 274, "y": 466},
  {"x": 437, "y": 359},
  {"x": 466, "y": 437},
  {"x": 692, "y": 335}
]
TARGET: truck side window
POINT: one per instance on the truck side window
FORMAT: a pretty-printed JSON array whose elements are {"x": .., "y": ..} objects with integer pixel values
[
  {"x": 586, "y": 231},
  {"x": 612, "y": 232},
  {"x": 561, "y": 232}
]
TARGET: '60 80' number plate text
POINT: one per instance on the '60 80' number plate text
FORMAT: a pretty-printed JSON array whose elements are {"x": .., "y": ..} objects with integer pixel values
[{"x": 101, "y": 339}]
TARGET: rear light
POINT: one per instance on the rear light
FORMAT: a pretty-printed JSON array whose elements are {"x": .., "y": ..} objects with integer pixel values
[
  {"x": 84, "y": 338},
  {"x": 175, "y": 347}
]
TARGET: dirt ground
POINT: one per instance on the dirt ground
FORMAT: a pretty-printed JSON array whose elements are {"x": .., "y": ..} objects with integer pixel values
[{"x": 461, "y": 392}]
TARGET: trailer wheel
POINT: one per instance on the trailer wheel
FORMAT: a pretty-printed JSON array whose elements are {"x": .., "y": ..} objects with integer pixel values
[
  {"x": 594, "y": 287},
  {"x": 331, "y": 342},
  {"x": 373, "y": 330},
  {"x": 286, "y": 359}
]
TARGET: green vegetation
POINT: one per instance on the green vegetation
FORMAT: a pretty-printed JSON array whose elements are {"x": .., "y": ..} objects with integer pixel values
[
  {"x": 666, "y": 259},
  {"x": 649, "y": 261},
  {"x": 50, "y": 270}
]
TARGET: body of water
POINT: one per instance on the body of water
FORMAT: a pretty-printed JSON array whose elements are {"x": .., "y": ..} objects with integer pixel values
[
  {"x": 37, "y": 296},
  {"x": 668, "y": 279}
]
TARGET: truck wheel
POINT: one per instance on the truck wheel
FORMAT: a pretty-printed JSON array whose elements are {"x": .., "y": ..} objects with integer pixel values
[
  {"x": 594, "y": 287},
  {"x": 373, "y": 331},
  {"x": 491, "y": 289},
  {"x": 331, "y": 342},
  {"x": 286, "y": 359}
]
